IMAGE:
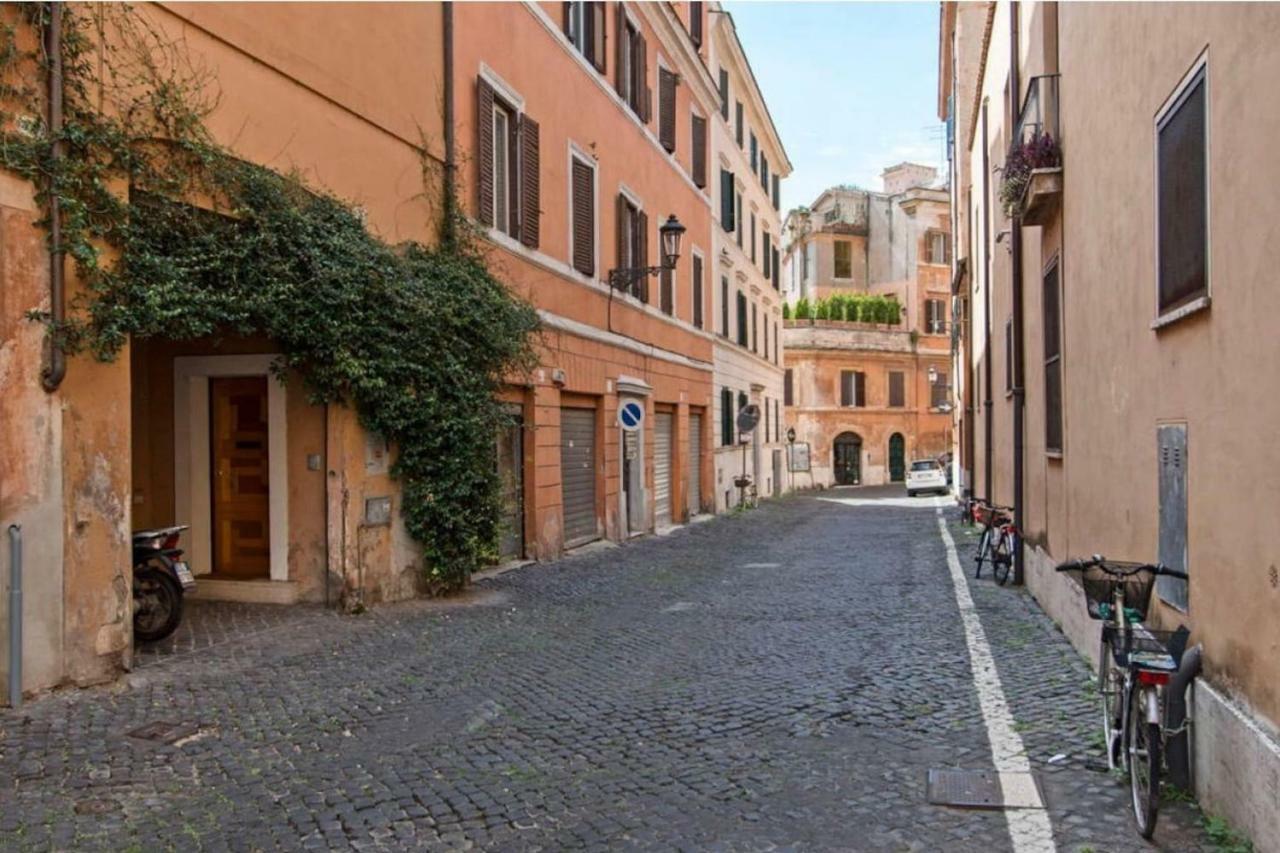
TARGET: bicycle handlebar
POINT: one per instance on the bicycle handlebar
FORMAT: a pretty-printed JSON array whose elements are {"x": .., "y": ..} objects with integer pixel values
[{"x": 1118, "y": 568}]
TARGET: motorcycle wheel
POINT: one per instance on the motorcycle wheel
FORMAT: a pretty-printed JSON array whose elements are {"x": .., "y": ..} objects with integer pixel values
[{"x": 157, "y": 605}]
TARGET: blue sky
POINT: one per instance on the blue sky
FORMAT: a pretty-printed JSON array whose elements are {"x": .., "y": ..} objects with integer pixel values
[{"x": 852, "y": 87}]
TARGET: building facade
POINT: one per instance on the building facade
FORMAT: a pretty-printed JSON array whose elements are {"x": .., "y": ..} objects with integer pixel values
[
  {"x": 867, "y": 396},
  {"x": 750, "y": 164},
  {"x": 574, "y": 150},
  {"x": 1119, "y": 313}
]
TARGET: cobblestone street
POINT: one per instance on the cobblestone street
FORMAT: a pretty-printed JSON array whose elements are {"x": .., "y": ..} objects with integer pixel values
[{"x": 779, "y": 679}]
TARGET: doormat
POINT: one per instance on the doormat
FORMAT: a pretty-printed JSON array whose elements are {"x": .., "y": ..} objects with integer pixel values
[{"x": 985, "y": 789}]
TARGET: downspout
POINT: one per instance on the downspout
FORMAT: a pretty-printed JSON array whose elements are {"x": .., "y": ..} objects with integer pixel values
[
  {"x": 15, "y": 616},
  {"x": 1019, "y": 391},
  {"x": 986, "y": 311},
  {"x": 54, "y": 372},
  {"x": 450, "y": 142}
]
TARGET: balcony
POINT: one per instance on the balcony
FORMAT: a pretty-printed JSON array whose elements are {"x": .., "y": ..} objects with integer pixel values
[{"x": 1032, "y": 184}]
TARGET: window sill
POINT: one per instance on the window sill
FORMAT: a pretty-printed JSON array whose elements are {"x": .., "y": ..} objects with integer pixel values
[
  {"x": 1055, "y": 455},
  {"x": 1196, "y": 305}
]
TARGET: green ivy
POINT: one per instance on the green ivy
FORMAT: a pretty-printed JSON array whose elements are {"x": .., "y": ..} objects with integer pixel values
[{"x": 418, "y": 339}]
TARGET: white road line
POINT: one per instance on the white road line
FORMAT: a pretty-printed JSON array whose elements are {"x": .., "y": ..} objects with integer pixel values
[{"x": 1029, "y": 829}]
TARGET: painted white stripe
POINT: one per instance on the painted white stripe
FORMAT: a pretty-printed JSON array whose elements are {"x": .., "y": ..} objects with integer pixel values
[{"x": 1029, "y": 829}]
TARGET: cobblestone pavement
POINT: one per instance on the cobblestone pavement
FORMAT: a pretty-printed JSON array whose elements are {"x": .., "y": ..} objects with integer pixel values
[{"x": 780, "y": 679}]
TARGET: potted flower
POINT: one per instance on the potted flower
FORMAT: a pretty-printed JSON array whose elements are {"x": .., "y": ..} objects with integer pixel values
[{"x": 1032, "y": 178}]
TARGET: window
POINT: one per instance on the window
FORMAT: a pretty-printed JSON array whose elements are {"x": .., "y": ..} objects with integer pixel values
[
  {"x": 697, "y": 291},
  {"x": 583, "y": 236},
  {"x": 666, "y": 287},
  {"x": 753, "y": 236},
  {"x": 633, "y": 69},
  {"x": 777, "y": 194},
  {"x": 935, "y": 318},
  {"x": 853, "y": 388},
  {"x": 507, "y": 167},
  {"x": 698, "y": 143},
  {"x": 743, "y": 340},
  {"x": 1182, "y": 197},
  {"x": 766, "y": 418},
  {"x": 938, "y": 391},
  {"x": 695, "y": 23},
  {"x": 789, "y": 388},
  {"x": 897, "y": 389},
  {"x": 755, "y": 337},
  {"x": 776, "y": 355},
  {"x": 633, "y": 244},
  {"x": 936, "y": 246},
  {"x": 724, "y": 306},
  {"x": 724, "y": 94},
  {"x": 1052, "y": 362},
  {"x": 726, "y": 417},
  {"x": 843, "y": 259},
  {"x": 727, "y": 218},
  {"x": 738, "y": 216},
  {"x": 777, "y": 276},
  {"x": 764, "y": 172},
  {"x": 764, "y": 237},
  {"x": 737, "y": 122},
  {"x": 766, "y": 337},
  {"x": 667, "y": 82},
  {"x": 584, "y": 25},
  {"x": 755, "y": 155},
  {"x": 1008, "y": 356}
]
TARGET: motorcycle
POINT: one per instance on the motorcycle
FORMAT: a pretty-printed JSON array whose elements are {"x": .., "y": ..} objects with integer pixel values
[{"x": 160, "y": 580}]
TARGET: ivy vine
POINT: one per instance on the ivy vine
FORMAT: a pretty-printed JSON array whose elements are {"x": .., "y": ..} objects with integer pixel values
[{"x": 417, "y": 339}]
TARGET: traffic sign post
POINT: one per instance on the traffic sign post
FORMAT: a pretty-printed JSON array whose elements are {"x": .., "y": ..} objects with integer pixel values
[{"x": 631, "y": 415}]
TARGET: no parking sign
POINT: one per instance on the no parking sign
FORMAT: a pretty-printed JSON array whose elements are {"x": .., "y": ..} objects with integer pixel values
[{"x": 631, "y": 415}]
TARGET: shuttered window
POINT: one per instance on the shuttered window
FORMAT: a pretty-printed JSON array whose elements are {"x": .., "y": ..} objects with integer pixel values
[
  {"x": 766, "y": 337},
  {"x": 938, "y": 391},
  {"x": 666, "y": 287},
  {"x": 853, "y": 388},
  {"x": 764, "y": 172},
  {"x": 724, "y": 94},
  {"x": 697, "y": 291},
  {"x": 743, "y": 332},
  {"x": 727, "y": 219},
  {"x": 724, "y": 306},
  {"x": 633, "y": 244},
  {"x": 584, "y": 217},
  {"x": 726, "y": 417},
  {"x": 937, "y": 247},
  {"x": 695, "y": 23},
  {"x": 584, "y": 24},
  {"x": 754, "y": 328},
  {"x": 632, "y": 69},
  {"x": 843, "y": 267},
  {"x": 755, "y": 155},
  {"x": 737, "y": 122},
  {"x": 777, "y": 193},
  {"x": 738, "y": 216},
  {"x": 776, "y": 355},
  {"x": 777, "y": 270},
  {"x": 1050, "y": 301},
  {"x": 935, "y": 316},
  {"x": 667, "y": 109},
  {"x": 698, "y": 134},
  {"x": 1182, "y": 198},
  {"x": 753, "y": 237},
  {"x": 897, "y": 389},
  {"x": 764, "y": 237},
  {"x": 788, "y": 388},
  {"x": 508, "y": 167}
]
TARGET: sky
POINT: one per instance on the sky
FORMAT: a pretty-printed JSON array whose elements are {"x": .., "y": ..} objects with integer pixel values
[{"x": 852, "y": 87}]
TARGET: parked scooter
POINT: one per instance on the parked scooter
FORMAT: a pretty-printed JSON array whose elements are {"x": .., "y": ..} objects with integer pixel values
[{"x": 160, "y": 579}]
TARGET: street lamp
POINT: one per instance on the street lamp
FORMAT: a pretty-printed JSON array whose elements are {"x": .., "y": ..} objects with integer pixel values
[{"x": 671, "y": 233}]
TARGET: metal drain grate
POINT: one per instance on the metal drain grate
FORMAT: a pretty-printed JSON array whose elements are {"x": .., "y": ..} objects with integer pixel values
[
  {"x": 163, "y": 731},
  {"x": 985, "y": 789}
]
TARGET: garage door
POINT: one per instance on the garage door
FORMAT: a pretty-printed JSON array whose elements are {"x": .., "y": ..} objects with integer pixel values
[
  {"x": 578, "y": 474},
  {"x": 695, "y": 464},
  {"x": 662, "y": 468}
]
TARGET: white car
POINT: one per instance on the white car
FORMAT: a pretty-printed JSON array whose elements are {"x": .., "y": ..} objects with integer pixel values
[{"x": 926, "y": 475}]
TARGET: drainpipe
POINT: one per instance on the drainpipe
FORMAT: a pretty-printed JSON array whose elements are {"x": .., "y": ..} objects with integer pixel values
[
  {"x": 986, "y": 312},
  {"x": 56, "y": 370},
  {"x": 1179, "y": 750},
  {"x": 15, "y": 616},
  {"x": 450, "y": 142},
  {"x": 1019, "y": 395}
]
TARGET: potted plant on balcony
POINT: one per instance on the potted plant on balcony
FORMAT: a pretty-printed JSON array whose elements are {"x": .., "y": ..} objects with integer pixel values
[{"x": 1032, "y": 178}]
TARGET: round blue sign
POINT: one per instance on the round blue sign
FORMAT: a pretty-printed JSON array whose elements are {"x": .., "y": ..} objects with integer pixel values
[{"x": 630, "y": 414}]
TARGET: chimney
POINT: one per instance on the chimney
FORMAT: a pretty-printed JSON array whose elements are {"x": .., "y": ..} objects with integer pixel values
[{"x": 905, "y": 176}]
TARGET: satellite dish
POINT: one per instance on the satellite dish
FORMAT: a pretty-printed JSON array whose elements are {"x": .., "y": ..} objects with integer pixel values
[{"x": 748, "y": 417}]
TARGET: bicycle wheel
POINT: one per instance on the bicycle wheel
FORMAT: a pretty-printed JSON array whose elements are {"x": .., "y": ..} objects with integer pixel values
[
  {"x": 1109, "y": 689},
  {"x": 984, "y": 545},
  {"x": 1002, "y": 558},
  {"x": 1144, "y": 764}
]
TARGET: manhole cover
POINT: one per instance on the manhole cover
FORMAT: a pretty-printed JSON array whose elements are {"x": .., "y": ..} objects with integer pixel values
[
  {"x": 163, "y": 731},
  {"x": 984, "y": 789}
]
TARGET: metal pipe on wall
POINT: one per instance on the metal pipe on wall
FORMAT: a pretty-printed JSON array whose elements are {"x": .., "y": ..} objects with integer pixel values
[
  {"x": 986, "y": 312},
  {"x": 15, "y": 615},
  {"x": 1015, "y": 245},
  {"x": 56, "y": 370}
]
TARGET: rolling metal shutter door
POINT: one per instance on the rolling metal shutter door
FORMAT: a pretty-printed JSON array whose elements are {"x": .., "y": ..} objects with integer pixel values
[
  {"x": 695, "y": 464},
  {"x": 662, "y": 468},
  {"x": 578, "y": 474}
]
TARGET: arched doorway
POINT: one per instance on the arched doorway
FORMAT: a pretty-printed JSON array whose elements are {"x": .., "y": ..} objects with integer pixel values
[
  {"x": 848, "y": 459},
  {"x": 897, "y": 458}
]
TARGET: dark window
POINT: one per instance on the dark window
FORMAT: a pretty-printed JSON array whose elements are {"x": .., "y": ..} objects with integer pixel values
[
  {"x": 764, "y": 172},
  {"x": 737, "y": 122},
  {"x": 724, "y": 306},
  {"x": 753, "y": 237},
  {"x": 698, "y": 132},
  {"x": 935, "y": 317},
  {"x": 1052, "y": 362},
  {"x": 764, "y": 238},
  {"x": 695, "y": 23},
  {"x": 766, "y": 418},
  {"x": 632, "y": 70},
  {"x": 777, "y": 194},
  {"x": 789, "y": 388},
  {"x": 728, "y": 220},
  {"x": 584, "y": 217},
  {"x": 584, "y": 25},
  {"x": 853, "y": 388},
  {"x": 777, "y": 270},
  {"x": 697, "y": 291},
  {"x": 726, "y": 417},
  {"x": 755, "y": 154},
  {"x": 738, "y": 217},
  {"x": 938, "y": 391},
  {"x": 843, "y": 267},
  {"x": 897, "y": 389},
  {"x": 633, "y": 245},
  {"x": 766, "y": 337},
  {"x": 724, "y": 94},
  {"x": 666, "y": 287},
  {"x": 1183, "y": 198},
  {"x": 755, "y": 337},
  {"x": 667, "y": 82},
  {"x": 743, "y": 332},
  {"x": 776, "y": 354},
  {"x": 1008, "y": 355}
]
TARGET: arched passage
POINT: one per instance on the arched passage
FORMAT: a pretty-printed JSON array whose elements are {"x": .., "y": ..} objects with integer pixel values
[
  {"x": 847, "y": 463},
  {"x": 897, "y": 458}
]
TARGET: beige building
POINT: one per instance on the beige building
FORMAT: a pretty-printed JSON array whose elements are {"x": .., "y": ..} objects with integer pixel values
[
  {"x": 1119, "y": 345},
  {"x": 868, "y": 396},
  {"x": 750, "y": 164}
]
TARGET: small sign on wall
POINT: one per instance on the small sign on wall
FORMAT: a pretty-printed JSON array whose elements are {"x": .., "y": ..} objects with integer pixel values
[{"x": 798, "y": 456}]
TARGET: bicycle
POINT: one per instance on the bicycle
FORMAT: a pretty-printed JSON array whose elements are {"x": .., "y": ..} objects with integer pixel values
[
  {"x": 1135, "y": 664},
  {"x": 997, "y": 542}
]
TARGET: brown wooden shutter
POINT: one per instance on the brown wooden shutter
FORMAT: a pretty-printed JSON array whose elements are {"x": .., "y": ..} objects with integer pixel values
[
  {"x": 642, "y": 259},
  {"x": 777, "y": 278},
  {"x": 860, "y": 388},
  {"x": 622, "y": 261},
  {"x": 697, "y": 292},
  {"x": 695, "y": 23},
  {"x": 897, "y": 389},
  {"x": 667, "y": 297},
  {"x": 597, "y": 33},
  {"x": 484, "y": 148},
  {"x": 846, "y": 388},
  {"x": 699, "y": 133},
  {"x": 788, "y": 387},
  {"x": 620, "y": 63},
  {"x": 667, "y": 109},
  {"x": 644, "y": 98},
  {"x": 584, "y": 218},
  {"x": 530, "y": 214}
]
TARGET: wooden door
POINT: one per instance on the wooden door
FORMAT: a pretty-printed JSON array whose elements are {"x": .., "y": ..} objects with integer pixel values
[{"x": 238, "y": 438}]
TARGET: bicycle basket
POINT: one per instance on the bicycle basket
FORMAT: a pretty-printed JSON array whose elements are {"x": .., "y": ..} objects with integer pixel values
[
  {"x": 1100, "y": 588},
  {"x": 983, "y": 514}
]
